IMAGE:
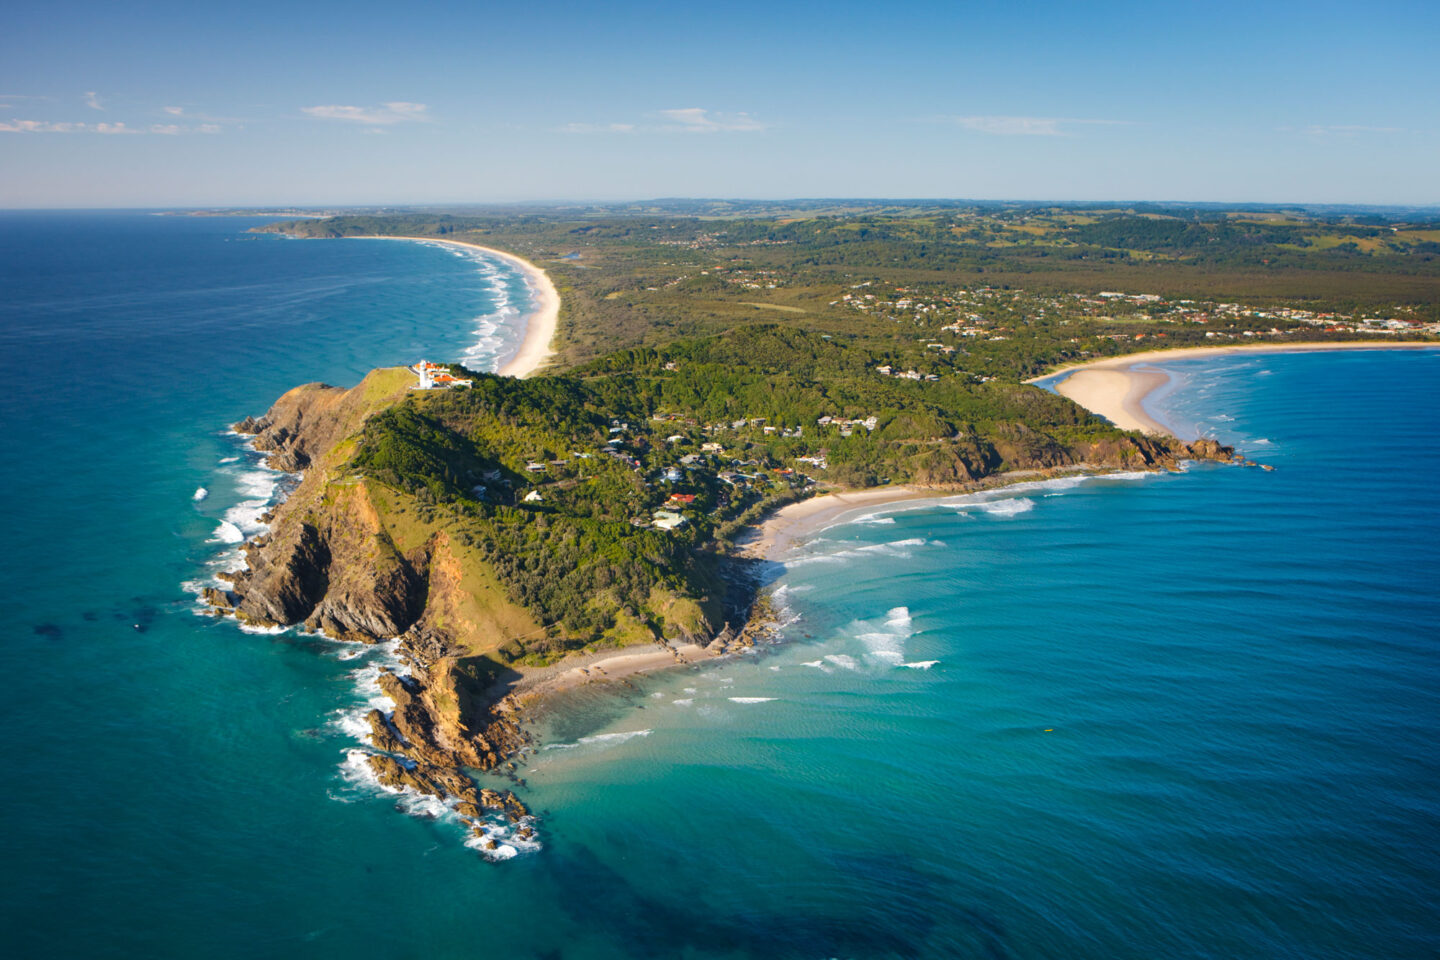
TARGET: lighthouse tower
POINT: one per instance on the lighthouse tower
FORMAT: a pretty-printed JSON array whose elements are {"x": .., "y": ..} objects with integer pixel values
[{"x": 423, "y": 369}]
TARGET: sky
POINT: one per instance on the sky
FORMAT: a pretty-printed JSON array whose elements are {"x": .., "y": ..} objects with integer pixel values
[{"x": 145, "y": 104}]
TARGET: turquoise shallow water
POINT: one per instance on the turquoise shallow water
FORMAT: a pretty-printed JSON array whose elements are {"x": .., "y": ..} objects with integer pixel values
[{"x": 1190, "y": 715}]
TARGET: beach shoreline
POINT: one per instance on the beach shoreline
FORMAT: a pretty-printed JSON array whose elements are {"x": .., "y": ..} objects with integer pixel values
[
  {"x": 537, "y": 347},
  {"x": 770, "y": 539},
  {"x": 1112, "y": 388}
]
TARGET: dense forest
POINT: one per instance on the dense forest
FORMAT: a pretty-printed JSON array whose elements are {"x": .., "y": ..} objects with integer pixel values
[{"x": 556, "y": 482}]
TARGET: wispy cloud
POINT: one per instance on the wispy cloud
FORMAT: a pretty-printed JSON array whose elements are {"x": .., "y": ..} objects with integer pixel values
[
  {"x": 92, "y": 100},
  {"x": 700, "y": 120},
  {"x": 201, "y": 121},
  {"x": 180, "y": 129},
  {"x": 60, "y": 126},
  {"x": 397, "y": 111},
  {"x": 597, "y": 128},
  {"x": 1341, "y": 129},
  {"x": 1006, "y": 126},
  {"x": 54, "y": 126}
]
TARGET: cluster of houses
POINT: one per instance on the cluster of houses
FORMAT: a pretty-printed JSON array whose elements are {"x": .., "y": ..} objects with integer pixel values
[
  {"x": 847, "y": 426},
  {"x": 1155, "y": 308},
  {"x": 706, "y": 466},
  {"x": 886, "y": 370},
  {"x": 982, "y": 313}
]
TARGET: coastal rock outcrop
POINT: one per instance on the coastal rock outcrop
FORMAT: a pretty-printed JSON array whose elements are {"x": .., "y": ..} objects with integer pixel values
[
  {"x": 1207, "y": 449},
  {"x": 287, "y": 576}
]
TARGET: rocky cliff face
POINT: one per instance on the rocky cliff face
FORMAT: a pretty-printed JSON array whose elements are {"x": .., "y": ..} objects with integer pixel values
[{"x": 303, "y": 424}]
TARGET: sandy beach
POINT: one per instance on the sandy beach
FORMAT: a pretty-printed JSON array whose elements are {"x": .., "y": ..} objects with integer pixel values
[
  {"x": 774, "y": 536},
  {"x": 537, "y": 347},
  {"x": 1117, "y": 394},
  {"x": 606, "y": 666},
  {"x": 1115, "y": 390}
]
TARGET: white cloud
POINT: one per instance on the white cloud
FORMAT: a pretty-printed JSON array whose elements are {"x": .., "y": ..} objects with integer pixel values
[
  {"x": 119, "y": 127},
  {"x": 597, "y": 128},
  {"x": 39, "y": 126},
  {"x": 700, "y": 120},
  {"x": 397, "y": 111},
  {"x": 92, "y": 100},
  {"x": 174, "y": 111},
  {"x": 1002, "y": 126},
  {"x": 1346, "y": 129}
]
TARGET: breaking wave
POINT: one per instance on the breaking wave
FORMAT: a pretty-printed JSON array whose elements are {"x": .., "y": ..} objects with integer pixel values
[
  {"x": 896, "y": 550},
  {"x": 495, "y": 332}
]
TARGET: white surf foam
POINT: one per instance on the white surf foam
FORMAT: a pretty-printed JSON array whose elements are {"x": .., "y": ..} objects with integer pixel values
[
  {"x": 894, "y": 550},
  {"x": 360, "y": 779},
  {"x": 502, "y": 840},
  {"x": 490, "y": 329},
  {"x": 200, "y": 494},
  {"x": 991, "y": 502},
  {"x": 227, "y": 532},
  {"x": 258, "y": 483},
  {"x": 920, "y": 664},
  {"x": 351, "y": 720},
  {"x": 886, "y": 641},
  {"x": 751, "y": 699},
  {"x": 611, "y": 738},
  {"x": 262, "y": 631},
  {"x": 1006, "y": 508}
]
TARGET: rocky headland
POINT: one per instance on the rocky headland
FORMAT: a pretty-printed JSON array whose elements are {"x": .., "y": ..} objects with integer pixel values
[
  {"x": 329, "y": 562},
  {"x": 363, "y": 560}
]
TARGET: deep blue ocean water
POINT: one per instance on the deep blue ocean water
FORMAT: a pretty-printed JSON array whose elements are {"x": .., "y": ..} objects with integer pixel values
[{"x": 1191, "y": 715}]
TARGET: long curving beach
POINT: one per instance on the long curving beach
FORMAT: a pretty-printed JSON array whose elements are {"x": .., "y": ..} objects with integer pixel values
[
  {"x": 537, "y": 348},
  {"x": 1115, "y": 389}
]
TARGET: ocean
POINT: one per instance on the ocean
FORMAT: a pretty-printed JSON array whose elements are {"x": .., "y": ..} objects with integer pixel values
[{"x": 1181, "y": 715}]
